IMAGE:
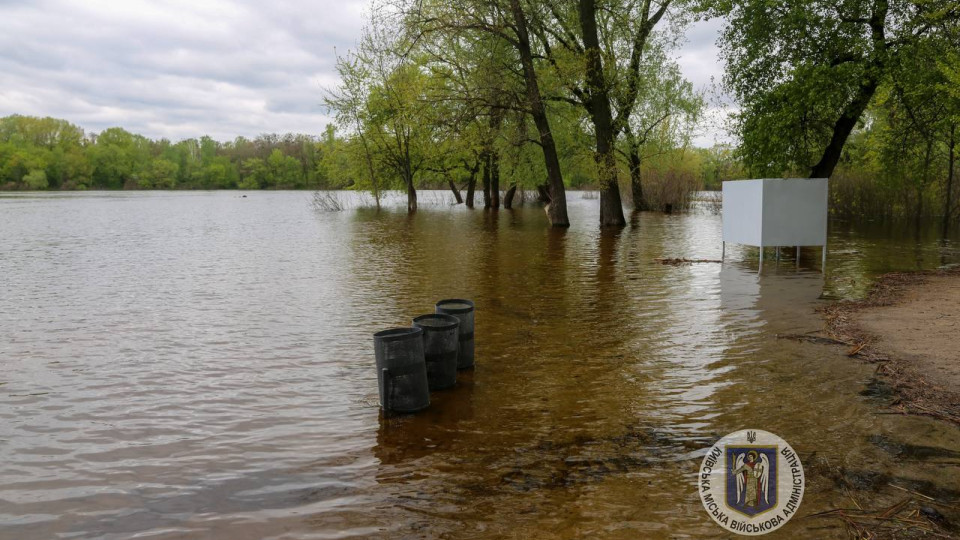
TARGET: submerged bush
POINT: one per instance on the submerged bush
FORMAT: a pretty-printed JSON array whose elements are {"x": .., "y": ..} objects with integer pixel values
[{"x": 326, "y": 201}]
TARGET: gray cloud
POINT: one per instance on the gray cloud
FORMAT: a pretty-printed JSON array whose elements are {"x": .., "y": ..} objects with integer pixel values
[
  {"x": 174, "y": 68},
  {"x": 184, "y": 68},
  {"x": 699, "y": 60}
]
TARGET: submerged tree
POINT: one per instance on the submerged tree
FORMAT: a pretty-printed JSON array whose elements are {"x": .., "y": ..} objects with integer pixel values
[
  {"x": 380, "y": 97},
  {"x": 666, "y": 113},
  {"x": 503, "y": 26},
  {"x": 597, "y": 49}
]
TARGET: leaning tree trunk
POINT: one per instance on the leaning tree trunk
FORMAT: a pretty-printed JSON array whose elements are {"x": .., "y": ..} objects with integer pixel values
[
  {"x": 841, "y": 130},
  {"x": 453, "y": 188},
  {"x": 868, "y": 87},
  {"x": 508, "y": 197},
  {"x": 557, "y": 208},
  {"x": 611, "y": 207}
]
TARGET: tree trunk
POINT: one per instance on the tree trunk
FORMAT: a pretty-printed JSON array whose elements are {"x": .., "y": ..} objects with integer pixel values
[
  {"x": 411, "y": 197},
  {"x": 486, "y": 180},
  {"x": 611, "y": 207},
  {"x": 951, "y": 157},
  {"x": 408, "y": 173},
  {"x": 496, "y": 120},
  {"x": 925, "y": 179},
  {"x": 471, "y": 187},
  {"x": 543, "y": 193},
  {"x": 841, "y": 130},
  {"x": 636, "y": 185},
  {"x": 557, "y": 208},
  {"x": 453, "y": 188},
  {"x": 636, "y": 188},
  {"x": 495, "y": 179},
  {"x": 918, "y": 216},
  {"x": 508, "y": 197}
]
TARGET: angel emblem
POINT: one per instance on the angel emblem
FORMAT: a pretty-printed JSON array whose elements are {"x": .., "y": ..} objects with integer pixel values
[{"x": 752, "y": 471}]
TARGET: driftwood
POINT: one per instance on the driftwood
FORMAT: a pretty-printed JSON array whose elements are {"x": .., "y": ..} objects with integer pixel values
[{"x": 680, "y": 262}]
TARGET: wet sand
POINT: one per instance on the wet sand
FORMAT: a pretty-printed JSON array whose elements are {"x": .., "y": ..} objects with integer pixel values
[{"x": 911, "y": 324}]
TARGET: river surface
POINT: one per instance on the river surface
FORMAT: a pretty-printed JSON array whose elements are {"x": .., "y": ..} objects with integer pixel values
[{"x": 200, "y": 365}]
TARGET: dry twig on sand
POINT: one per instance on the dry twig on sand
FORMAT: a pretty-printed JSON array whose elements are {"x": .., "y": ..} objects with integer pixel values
[
  {"x": 915, "y": 393},
  {"x": 809, "y": 338},
  {"x": 905, "y": 519}
]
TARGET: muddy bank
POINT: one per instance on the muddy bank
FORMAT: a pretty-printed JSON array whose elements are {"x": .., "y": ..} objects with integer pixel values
[{"x": 909, "y": 324}]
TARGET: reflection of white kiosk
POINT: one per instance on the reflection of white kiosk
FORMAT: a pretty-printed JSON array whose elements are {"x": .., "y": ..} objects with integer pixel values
[{"x": 776, "y": 212}]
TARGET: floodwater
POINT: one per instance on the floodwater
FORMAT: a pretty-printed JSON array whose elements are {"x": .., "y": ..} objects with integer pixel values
[{"x": 200, "y": 365}]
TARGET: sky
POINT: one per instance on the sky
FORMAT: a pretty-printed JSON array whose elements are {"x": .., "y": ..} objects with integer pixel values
[{"x": 185, "y": 68}]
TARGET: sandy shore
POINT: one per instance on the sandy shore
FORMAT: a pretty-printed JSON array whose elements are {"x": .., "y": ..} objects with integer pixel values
[{"x": 910, "y": 325}]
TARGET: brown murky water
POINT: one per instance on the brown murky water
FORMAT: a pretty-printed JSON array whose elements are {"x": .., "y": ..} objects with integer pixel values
[{"x": 197, "y": 365}]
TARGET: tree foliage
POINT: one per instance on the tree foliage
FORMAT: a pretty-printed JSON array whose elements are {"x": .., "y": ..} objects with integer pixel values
[
  {"x": 804, "y": 72},
  {"x": 488, "y": 84},
  {"x": 47, "y": 153}
]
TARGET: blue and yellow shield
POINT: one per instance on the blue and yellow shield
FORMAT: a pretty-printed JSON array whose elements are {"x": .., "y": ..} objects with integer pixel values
[{"x": 751, "y": 479}]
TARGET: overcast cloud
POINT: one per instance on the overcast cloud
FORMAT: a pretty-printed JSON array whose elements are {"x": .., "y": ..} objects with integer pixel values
[{"x": 185, "y": 68}]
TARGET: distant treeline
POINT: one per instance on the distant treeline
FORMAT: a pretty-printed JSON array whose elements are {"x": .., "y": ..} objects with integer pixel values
[
  {"x": 53, "y": 154},
  {"x": 49, "y": 153}
]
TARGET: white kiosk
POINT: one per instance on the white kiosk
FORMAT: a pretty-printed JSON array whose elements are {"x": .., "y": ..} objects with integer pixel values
[{"x": 776, "y": 212}]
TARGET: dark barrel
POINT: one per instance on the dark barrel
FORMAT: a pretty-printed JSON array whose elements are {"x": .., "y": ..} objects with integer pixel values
[
  {"x": 441, "y": 343},
  {"x": 401, "y": 370},
  {"x": 463, "y": 310}
]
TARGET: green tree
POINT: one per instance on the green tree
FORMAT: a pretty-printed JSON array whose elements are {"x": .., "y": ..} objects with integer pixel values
[
  {"x": 383, "y": 94},
  {"x": 253, "y": 174},
  {"x": 499, "y": 34},
  {"x": 666, "y": 112},
  {"x": 118, "y": 158},
  {"x": 162, "y": 174},
  {"x": 805, "y": 71},
  {"x": 35, "y": 180},
  {"x": 283, "y": 171},
  {"x": 338, "y": 165}
]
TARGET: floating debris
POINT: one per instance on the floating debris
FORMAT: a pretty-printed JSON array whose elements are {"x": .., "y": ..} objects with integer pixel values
[{"x": 680, "y": 262}]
